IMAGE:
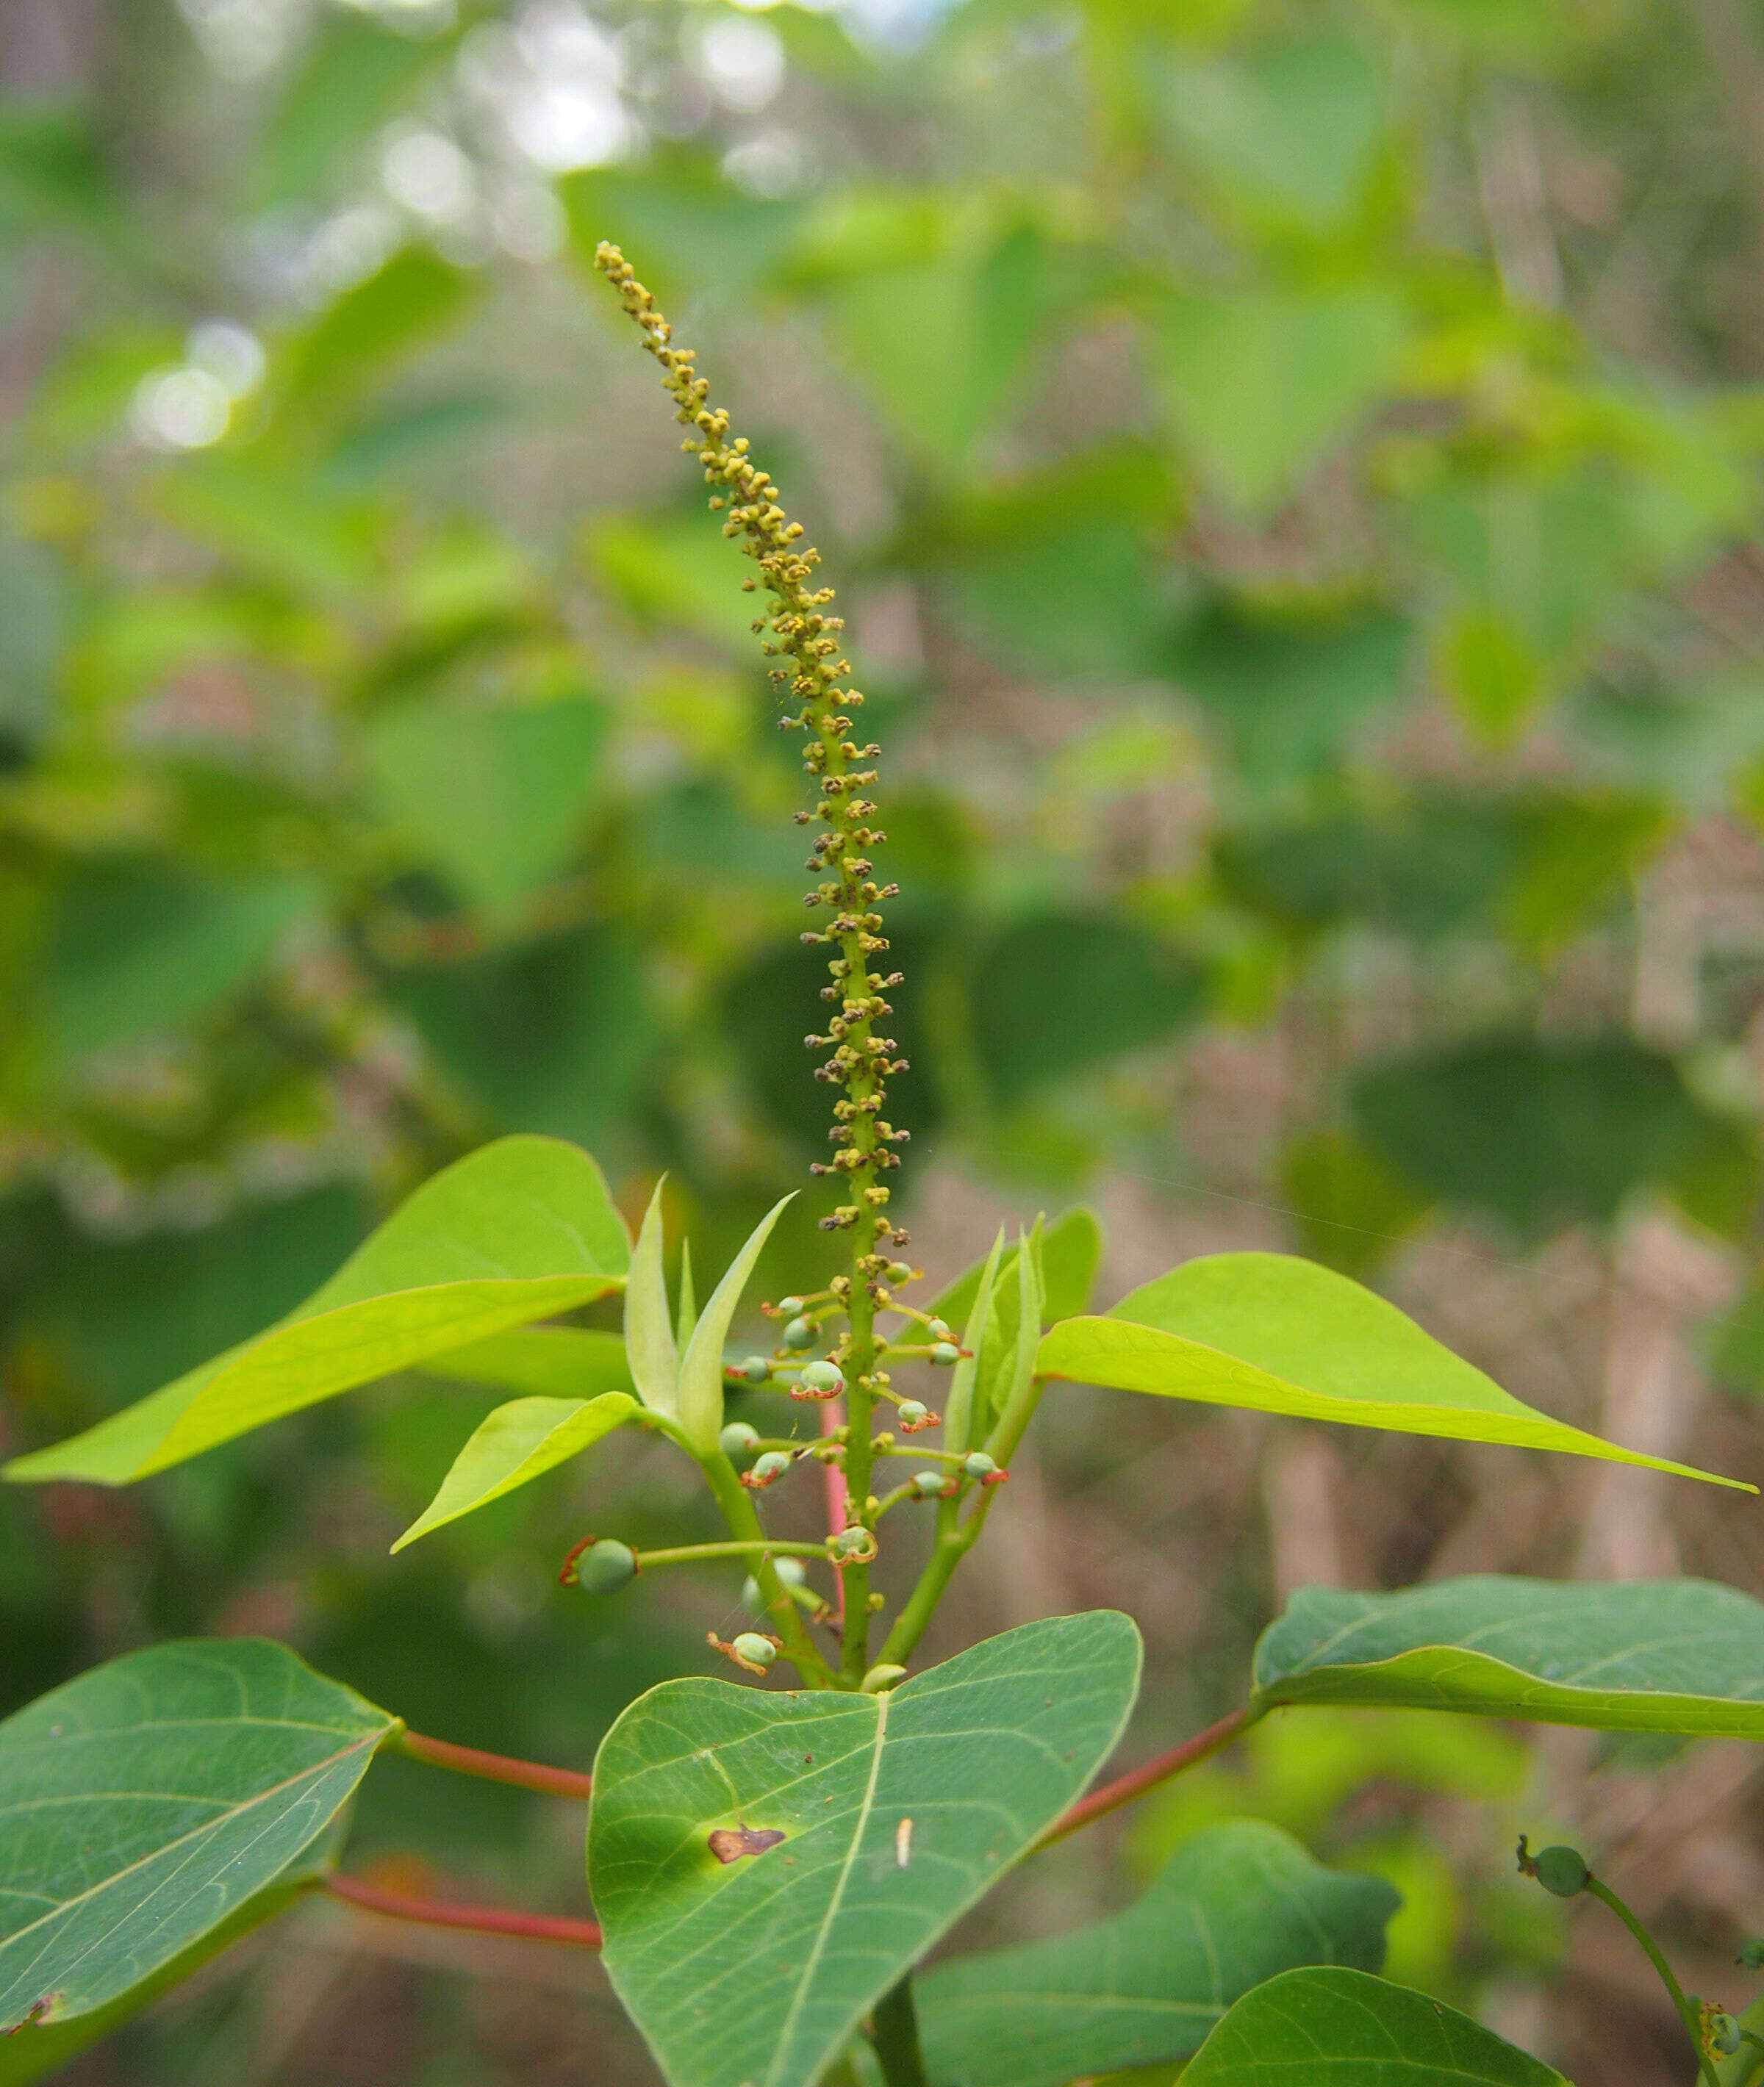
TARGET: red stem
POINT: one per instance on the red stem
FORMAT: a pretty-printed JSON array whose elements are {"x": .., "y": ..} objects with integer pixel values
[
  {"x": 1125, "y": 1788},
  {"x": 495, "y": 1768},
  {"x": 481, "y": 1919}
]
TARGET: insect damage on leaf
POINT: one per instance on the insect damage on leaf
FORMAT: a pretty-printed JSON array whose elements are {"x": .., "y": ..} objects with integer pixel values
[{"x": 728, "y": 1844}]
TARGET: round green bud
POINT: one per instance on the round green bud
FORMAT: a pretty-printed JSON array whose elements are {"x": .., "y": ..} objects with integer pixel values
[
  {"x": 927, "y": 1484},
  {"x": 978, "y": 1465},
  {"x": 852, "y": 1539},
  {"x": 1562, "y": 1871},
  {"x": 789, "y": 1307},
  {"x": 773, "y": 1465},
  {"x": 737, "y": 1439},
  {"x": 823, "y": 1377},
  {"x": 606, "y": 1566},
  {"x": 939, "y": 1330},
  {"x": 756, "y": 1369},
  {"x": 790, "y": 1570},
  {"x": 912, "y": 1411},
  {"x": 899, "y": 1272},
  {"x": 799, "y": 1334},
  {"x": 756, "y": 1650},
  {"x": 1724, "y": 2032},
  {"x": 945, "y": 1353}
]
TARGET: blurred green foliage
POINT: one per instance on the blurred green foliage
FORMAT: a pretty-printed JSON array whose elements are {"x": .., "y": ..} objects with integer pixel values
[{"x": 1293, "y": 469}]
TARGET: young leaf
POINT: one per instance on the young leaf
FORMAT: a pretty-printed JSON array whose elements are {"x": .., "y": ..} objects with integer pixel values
[
  {"x": 897, "y": 1812},
  {"x": 558, "y": 1362},
  {"x": 649, "y": 1332},
  {"x": 1004, "y": 1393},
  {"x": 1683, "y": 1656},
  {"x": 146, "y": 1802},
  {"x": 1071, "y": 1248},
  {"x": 515, "y": 1232},
  {"x": 958, "y": 1408},
  {"x": 687, "y": 1311},
  {"x": 1327, "y": 2028},
  {"x": 516, "y": 1443},
  {"x": 1237, "y": 1903},
  {"x": 700, "y": 1411},
  {"x": 1282, "y": 1335}
]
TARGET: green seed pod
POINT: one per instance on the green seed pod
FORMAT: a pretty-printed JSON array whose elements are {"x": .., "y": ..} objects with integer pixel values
[
  {"x": 945, "y": 1353},
  {"x": 978, "y": 1465},
  {"x": 737, "y": 1439},
  {"x": 756, "y": 1650},
  {"x": 1562, "y": 1871},
  {"x": 928, "y": 1484},
  {"x": 790, "y": 1570},
  {"x": 939, "y": 1330},
  {"x": 912, "y": 1411},
  {"x": 756, "y": 1369},
  {"x": 773, "y": 1465},
  {"x": 799, "y": 1334},
  {"x": 824, "y": 1378},
  {"x": 606, "y": 1566},
  {"x": 850, "y": 1540},
  {"x": 899, "y": 1272},
  {"x": 789, "y": 1307}
]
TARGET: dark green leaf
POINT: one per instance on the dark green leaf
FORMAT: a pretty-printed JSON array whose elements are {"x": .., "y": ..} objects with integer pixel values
[
  {"x": 145, "y": 1802},
  {"x": 1234, "y": 1904},
  {"x": 1682, "y": 1656},
  {"x": 756, "y": 1969},
  {"x": 1344, "y": 2028}
]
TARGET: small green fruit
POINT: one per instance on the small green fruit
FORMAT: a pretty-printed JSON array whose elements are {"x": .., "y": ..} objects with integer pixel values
[
  {"x": 1562, "y": 1871},
  {"x": 756, "y": 1650},
  {"x": 912, "y": 1411},
  {"x": 756, "y": 1369},
  {"x": 799, "y": 1334},
  {"x": 790, "y": 1570},
  {"x": 899, "y": 1272},
  {"x": 789, "y": 1307},
  {"x": 939, "y": 1330},
  {"x": 737, "y": 1439},
  {"x": 978, "y": 1465},
  {"x": 928, "y": 1484},
  {"x": 773, "y": 1465},
  {"x": 606, "y": 1566},
  {"x": 945, "y": 1353},
  {"x": 823, "y": 1378},
  {"x": 850, "y": 1541}
]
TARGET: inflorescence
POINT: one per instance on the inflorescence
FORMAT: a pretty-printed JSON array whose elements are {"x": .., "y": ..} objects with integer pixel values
[{"x": 798, "y": 629}]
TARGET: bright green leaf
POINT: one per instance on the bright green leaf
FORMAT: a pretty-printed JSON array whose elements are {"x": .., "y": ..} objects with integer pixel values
[
  {"x": 753, "y": 1972},
  {"x": 516, "y": 1444},
  {"x": 143, "y": 1804},
  {"x": 1282, "y": 1335},
  {"x": 1238, "y": 1903},
  {"x": 1328, "y": 2028},
  {"x": 959, "y": 1406},
  {"x": 700, "y": 1412},
  {"x": 553, "y": 1362},
  {"x": 1682, "y": 1656},
  {"x": 1071, "y": 1249},
  {"x": 650, "y": 1343},
  {"x": 515, "y": 1232}
]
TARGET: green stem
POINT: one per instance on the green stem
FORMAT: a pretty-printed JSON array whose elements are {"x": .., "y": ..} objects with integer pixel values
[
  {"x": 743, "y": 1518},
  {"x": 860, "y": 1367},
  {"x": 1687, "y": 2014},
  {"x": 955, "y": 1540},
  {"x": 744, "y": 1547},
  {"x": 895, "y": 2031}
]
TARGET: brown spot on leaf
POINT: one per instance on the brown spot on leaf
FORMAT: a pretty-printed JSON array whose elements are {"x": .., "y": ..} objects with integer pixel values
[{"x": 728, "y": 1844}]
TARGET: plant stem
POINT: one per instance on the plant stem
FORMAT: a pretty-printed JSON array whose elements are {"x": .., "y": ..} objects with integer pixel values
[
  {"x": 1687, "y": 2014},
  {"x": 860, "y": 1367},
  {"x": 1125, "y": 1788},
  {"x": 955, "y": 1540},
  {"x": 480, "y": 1919},
  {"x": 895, "y": 2031},
  {"x": 493, "y": 1768},
  {"x": 683, "y": 1553},
  {"x": 743, "y": 1518}
]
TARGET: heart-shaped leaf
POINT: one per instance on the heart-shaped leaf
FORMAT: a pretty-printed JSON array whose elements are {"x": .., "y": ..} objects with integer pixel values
[
  {"x": 1234, "y": 1905},
  {"x": 513, "y": 1232},
  {"x": 145, "y": 1802},
  {"x": 1344, "y": 2028},
  {"x": 1282, "y": 1335},
  {"x": 517, "y": 1443},
  {"x": 1684, "y": 1656},
  {"x": 896, "y": 1813}
]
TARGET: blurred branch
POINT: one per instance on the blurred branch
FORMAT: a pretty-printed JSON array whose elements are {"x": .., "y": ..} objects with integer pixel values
[
  {"x": 1137, "y": 1781},
  {"x": 494, "y": 1767},
  {"x": 481, "y": 1919}
]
